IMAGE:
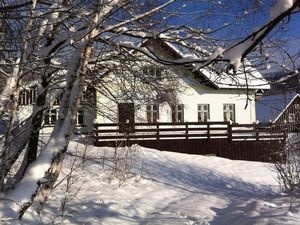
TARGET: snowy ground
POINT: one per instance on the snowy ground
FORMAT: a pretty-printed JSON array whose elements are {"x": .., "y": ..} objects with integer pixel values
[{"x": 165, "y": 188}]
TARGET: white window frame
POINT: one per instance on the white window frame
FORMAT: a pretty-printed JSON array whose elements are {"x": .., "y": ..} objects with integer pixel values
[
  {"x": 177, "y": 113},
  {"x": 229, "y": 112},
  {"x": 49, "y": 115},
  {"x": 152, "y": 113},
  {"x": 23, "y": 98},
  {"x": 27, "y": 97},
  {"x": 203, "y": 112},
  {"x": 291, "y": 117}
]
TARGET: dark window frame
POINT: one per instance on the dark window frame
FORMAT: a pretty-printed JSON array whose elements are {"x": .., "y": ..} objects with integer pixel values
[{"x": 80, "y": 117}]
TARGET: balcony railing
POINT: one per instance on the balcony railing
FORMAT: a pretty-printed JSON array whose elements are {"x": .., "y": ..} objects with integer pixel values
[{"x": 188, "y": 130}]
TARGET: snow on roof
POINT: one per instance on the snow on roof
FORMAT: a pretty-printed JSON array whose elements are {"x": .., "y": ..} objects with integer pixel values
[
  {"x": 270, "y": 108},
  {"x": 254, "y": 79}
]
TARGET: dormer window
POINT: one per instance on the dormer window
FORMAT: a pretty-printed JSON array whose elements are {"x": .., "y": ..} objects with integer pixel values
[{"x": 259, "y": 93}]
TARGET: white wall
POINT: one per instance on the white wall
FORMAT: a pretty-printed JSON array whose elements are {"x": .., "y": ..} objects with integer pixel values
[
  {"x": 89, "y": 116},
  {"x": 193, "y": 94},
  {"x": 197, "y": 94}
]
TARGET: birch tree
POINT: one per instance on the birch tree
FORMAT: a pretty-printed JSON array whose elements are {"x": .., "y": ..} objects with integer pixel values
[{"x": 59, "y": 42}]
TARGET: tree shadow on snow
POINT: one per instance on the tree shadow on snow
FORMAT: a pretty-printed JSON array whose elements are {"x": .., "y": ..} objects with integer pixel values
[
  {"x": 91, "y": 212},
  {"x": 248, "y": 203},
  {"x": 198, "y": 179}
]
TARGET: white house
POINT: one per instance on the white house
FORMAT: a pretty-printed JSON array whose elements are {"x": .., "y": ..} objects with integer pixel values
[
  {"x": 85, "y": 115},
  {"x": 202, "y": 95},
  {"x": 194, "y": 96}
]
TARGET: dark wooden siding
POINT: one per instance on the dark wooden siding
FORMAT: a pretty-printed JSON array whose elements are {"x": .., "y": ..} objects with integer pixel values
[{"x": 292, "y": 111}]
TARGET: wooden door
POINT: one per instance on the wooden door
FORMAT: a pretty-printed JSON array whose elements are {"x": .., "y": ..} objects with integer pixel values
[{"x": 126, "y": 117}]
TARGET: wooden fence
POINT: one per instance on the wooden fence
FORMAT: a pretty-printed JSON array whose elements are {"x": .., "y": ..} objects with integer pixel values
[{"x": 235, "y": 141}]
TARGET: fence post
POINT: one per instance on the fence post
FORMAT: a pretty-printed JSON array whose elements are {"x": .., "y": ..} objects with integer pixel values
[
  {"x": 157, "y": 131},
  {"x": 256, "y": 132},
  {"x": 127, "y": 138},
  {"x": 229, "y": 131},
  {"x": 208, "y": 131},
  {"x": 186, "y": 131},
  {"x": 95, "y": 134}
]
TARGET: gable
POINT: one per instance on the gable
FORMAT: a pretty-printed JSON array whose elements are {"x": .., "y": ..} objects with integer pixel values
[
  {"x": 254, "y": 79},
  {"x": 290, "y": 108},
  {"x": 270, "y": 108}
]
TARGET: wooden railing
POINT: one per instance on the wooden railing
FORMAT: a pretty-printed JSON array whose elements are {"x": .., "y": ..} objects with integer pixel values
[{"x": 188, "y": 130}]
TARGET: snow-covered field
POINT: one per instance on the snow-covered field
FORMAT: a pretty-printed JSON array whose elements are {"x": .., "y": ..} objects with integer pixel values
[{"x": 164, "y": 188}]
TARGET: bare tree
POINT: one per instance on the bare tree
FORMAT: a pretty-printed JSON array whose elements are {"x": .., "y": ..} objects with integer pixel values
[{"x": 65, "y": 42}]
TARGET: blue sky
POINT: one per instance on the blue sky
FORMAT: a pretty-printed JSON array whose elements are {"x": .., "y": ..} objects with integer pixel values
[
  {"x": 244, "y": 16},
  {"x": 215, "y": 15}
]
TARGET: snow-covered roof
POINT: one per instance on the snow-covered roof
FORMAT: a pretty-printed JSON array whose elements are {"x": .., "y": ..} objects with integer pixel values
[
  {"x": 254, "y": 79},
  {"x": 270, "y": 108}
]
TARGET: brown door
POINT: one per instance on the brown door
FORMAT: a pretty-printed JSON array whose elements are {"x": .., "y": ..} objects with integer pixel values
[{"x": 126, "y": 117}]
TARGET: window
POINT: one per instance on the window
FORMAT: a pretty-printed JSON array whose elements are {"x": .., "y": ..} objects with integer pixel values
[
  {"x": 297, "y": 106},
  {"x": 259, "y": 93},
  {"x": 79, "y": 118},
  {"x": 177, "y": 113},
  {"x": 22, "y": 98},
  {"x": 58, "y": 99},
  {"x": 229, "y": 112},
  {"x": 153, "y": 72},
  {"x": 292, "y": 118},
  {"x": 152, "y": 113},
  {"x": 31, "y": 96},
  {"x": 27, "y": 97},
  {"x": 89, "y": 96},
  {"x": 203, "y": 112},
  {"x": 50, "y": 116}
]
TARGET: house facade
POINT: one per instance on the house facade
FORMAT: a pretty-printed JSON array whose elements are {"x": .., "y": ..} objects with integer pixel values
[
  {"x": 198, "y": 103},
  {"x": 84, "y": 118},
  {"x": 202, "y": 96},
  {"x": 180, "y": 94}
]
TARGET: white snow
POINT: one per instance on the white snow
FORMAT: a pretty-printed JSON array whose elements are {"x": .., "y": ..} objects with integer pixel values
[
  {"x": 216, "y": 54},
  {"x": 165, "y": 188},
  {"x": 234, "y": 54},
  {"x": 254, "y": 80},
  {"x": 279, "y": 7}
]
